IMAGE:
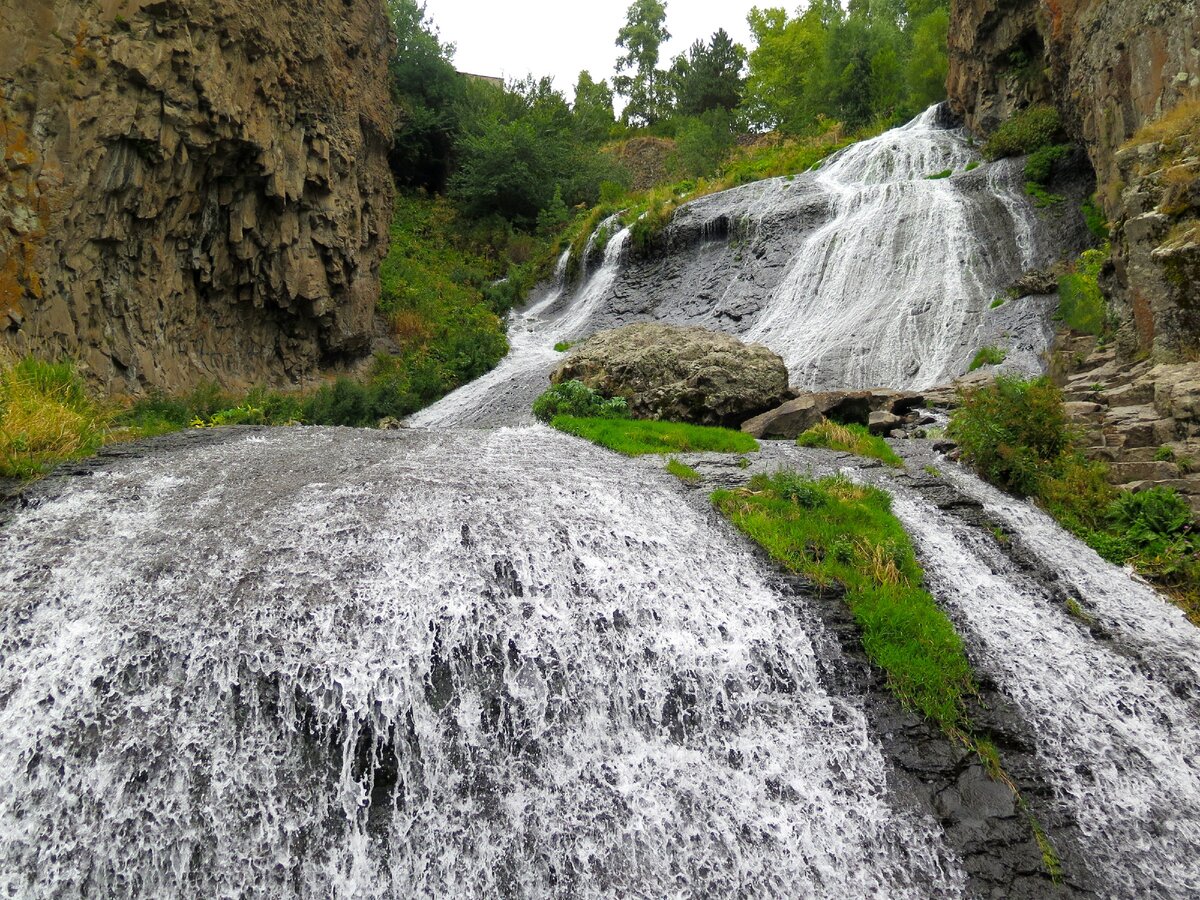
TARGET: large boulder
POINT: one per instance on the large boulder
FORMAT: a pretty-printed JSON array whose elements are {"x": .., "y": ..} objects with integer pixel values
[{"x": 679, "y": 374}]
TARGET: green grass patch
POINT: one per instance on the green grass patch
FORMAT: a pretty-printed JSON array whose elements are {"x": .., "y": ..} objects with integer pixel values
[
  {"x": 1097, "y": 221},
  {"x": 1042, "y": 198},
  {"x": 46, "y": 417},
  {"x": 683, "y": 472},
  {"x": 836, "y": 532},
  {"x": 973, "y": 165},
  {"x": 999, "y": 302},
  {"x": 563, "y": 346},
  {"x": 850, "y": 439},
  {"x": 988, "y": 356},
  {"x": 1041, "y": 164},
  {"x": 636, "y": 437},
  {"x": 939, "y": 176}
]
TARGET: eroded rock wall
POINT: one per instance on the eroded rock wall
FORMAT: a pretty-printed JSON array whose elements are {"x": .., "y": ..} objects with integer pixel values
[
  {"x": 1111, "y": 67},
  {"x": 193, "y": 189}
]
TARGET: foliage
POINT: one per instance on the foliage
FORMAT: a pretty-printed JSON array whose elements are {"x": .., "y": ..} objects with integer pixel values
[
  {"x": 634, "y": 437},
  {"x": 574, "y": 398},
  {"x": 1097, "y": 221},
  {"x": 1030, "y": 130},
  {"x": 873, "y": 62},
  {"x": 988, "y": 356},
  {"x": 836, "y": 532},
  {"x": 1014, "y": 432},
  {"x": 850, "y": 439},
  {"x": 641, "y": 37},
  {"x": 703, "y": 143},
  {"x": 709, "y": 77},
  {"x": 939, "y": 176},
  {"x": 1039, "y": 167},
  {"x": 429, "y": 92},
  {"x": 593, "y": 109},
  {"x": 46, "y": 416},
  {"x": 1081, "y": 302}
]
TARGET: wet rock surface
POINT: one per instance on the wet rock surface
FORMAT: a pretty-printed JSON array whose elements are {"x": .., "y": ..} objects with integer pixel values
[
  {"x": 193, "y": 190},
  {"x": 679, "y": 374}
]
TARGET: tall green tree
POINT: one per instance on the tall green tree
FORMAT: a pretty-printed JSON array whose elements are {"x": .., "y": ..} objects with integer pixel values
[
  {"x": 428, "y": 91},
  {"x": 593, "y": 109},
  {"x": 709, "y": 76},
  {"x": 642, "y": 37}
]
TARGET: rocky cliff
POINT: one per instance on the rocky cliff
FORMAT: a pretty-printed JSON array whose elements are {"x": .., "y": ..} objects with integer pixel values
[
  {"x": 1113, "y": 68},
  {"x": 192, "y": 189}
]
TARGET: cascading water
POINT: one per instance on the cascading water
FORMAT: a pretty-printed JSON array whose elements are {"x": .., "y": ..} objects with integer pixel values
[
  {"x": 487, "y": 664},
  {"x": 1118, "y": 720},
  {"x": 866, "y": 273},
  {"x": 890, "y": 289}
]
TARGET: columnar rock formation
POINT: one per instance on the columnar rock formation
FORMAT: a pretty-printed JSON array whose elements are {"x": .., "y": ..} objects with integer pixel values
[
  {"x": 192, "y": 189},
  {"x": 1111, "y": 67}
]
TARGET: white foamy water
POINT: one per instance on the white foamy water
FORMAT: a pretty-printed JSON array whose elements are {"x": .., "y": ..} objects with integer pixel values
[
  {"x": 890, "y": 290},
  {"x": 327, "y": 663},
  {"x": 1118, "y": 742}
]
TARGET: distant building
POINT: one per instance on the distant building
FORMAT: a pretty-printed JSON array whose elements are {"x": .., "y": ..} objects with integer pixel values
[{"x": 490, "y": 79}]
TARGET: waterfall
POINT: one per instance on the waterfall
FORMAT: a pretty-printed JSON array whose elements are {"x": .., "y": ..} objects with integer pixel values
[
  {"x": 330, "y": 663},
  {"x": 864, "y": 273},
  {"x": 1117, "y": 720}
]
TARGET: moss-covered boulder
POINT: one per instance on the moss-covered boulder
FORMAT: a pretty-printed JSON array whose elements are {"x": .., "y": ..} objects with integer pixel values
[{"x": 679, "y": 374}]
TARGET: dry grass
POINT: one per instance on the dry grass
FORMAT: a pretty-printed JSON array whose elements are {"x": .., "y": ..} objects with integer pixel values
[
  {"x": 410, "y": 327},
  {"x": 1182, "y": 121}
]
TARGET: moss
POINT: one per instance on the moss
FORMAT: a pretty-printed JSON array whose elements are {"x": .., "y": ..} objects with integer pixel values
[
  {"x": 635, "y": 437},
  {"x": 945, "y": 173},
  {"x": 850, "y": 439},
  {"x": 988, "y": 356}
]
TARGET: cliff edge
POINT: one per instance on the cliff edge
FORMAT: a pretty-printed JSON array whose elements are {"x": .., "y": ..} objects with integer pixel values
[
  {"x": 193, "y": 189},
  {"x": 1113, "y": 68}
]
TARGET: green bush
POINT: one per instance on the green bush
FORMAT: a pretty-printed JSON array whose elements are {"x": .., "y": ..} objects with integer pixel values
[
  {"x": 1026, "y": 132},
  {"x": 1014, "y": 432},
  {"x": 1039, "y": 168},
  {"x": 1081, "y": 302},
  {"x": 576, "y": 399},
  {"x": 1151, "y": 519}
]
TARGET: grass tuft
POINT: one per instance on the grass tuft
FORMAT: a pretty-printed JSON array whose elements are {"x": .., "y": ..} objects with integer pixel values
[
  {"x": 683, "y": 472},
  {"x": 636, "y": 437},
  {"x": 850, "y": 439},
  {"x": 988, "y": 356}
]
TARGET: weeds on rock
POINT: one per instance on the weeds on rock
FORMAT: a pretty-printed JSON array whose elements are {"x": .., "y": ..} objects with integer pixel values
[{"x": 850, "y": 439}]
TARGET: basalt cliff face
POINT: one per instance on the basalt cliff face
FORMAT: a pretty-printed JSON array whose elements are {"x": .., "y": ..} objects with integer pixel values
[
  {"x": 1112, "y": 67},
  {"x": 192, "y": 189}
]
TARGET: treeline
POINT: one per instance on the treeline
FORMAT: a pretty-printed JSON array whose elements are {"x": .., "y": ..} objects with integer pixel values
[{"x": 526, "y": 155}]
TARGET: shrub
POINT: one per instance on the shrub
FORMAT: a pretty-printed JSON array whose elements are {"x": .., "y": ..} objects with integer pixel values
[
  {"x": 1152, "y": 518},
  {"x": 1026, "y": 132},
  {"x": 1081, "y": 302},
  {"x": 1014, "y": 432},
  {"x": 1039, "y": 168},
  {"x": 1097, "y": 221},
  {"x": 988, "y": 356},
  {"x": 574, "y": 398}
]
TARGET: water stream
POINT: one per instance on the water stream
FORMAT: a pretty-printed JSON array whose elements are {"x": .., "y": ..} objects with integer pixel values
[{"x": 332, "y": 663}]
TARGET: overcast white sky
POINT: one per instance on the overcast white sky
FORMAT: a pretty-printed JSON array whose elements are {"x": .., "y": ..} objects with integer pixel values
[{"x": 513, "y": 38}]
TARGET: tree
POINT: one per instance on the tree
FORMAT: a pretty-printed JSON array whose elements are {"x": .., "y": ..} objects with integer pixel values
[
  {"x": 642, "y": 36},
  {"x": 709, "y": 76},
  {"x": 593, "y": 109},
  {"x": 428, "y": 91},
  {"x": 929, "y": 65}
]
